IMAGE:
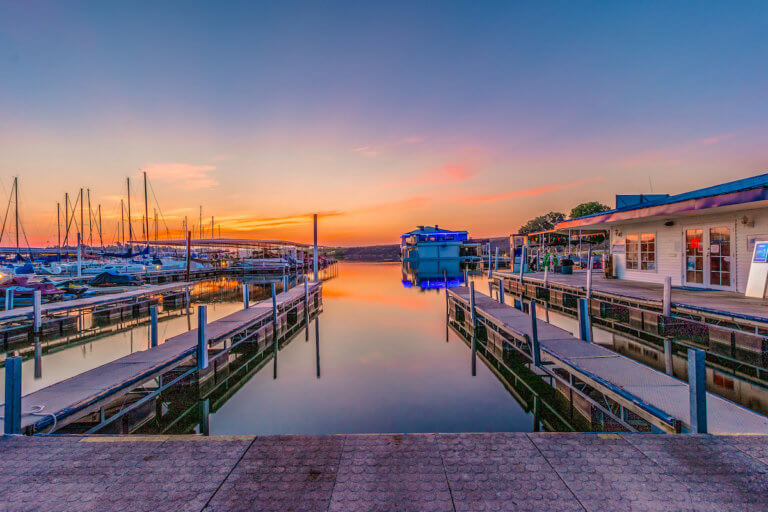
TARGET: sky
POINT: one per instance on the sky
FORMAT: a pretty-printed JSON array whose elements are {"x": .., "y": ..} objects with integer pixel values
[{"x": 378, "y": 116}]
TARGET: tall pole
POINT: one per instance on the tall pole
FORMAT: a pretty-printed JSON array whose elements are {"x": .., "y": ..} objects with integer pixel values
[
  {"x": 212, "y": 230},
  {"x": 189, "y": 254},
  {"x": 16, "y": 192},
  {"x": 122, "y": 222},
  {"x": 314, "y": 253},
  {"x": 200, "y": 225},
  {"x": 90, "y": 216},
  {"x": 155, "y": 224},
  {"x": 130, "y": 226}
]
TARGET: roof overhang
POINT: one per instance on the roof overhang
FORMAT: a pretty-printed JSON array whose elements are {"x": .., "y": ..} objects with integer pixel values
[{"x": 744, "y": 200}]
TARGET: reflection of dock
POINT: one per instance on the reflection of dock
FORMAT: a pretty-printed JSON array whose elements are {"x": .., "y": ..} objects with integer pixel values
[
  {"x": 90, "y": 390},
  {"x": 506, "y": 471},
  {"x": 615, "y": 380}
]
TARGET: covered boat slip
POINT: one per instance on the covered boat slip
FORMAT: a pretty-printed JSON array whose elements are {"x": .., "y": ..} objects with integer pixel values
[
  {"x": 657, "y": 398},
  {"x": 717, "y": 303},
  {"x": 89, "y": 390}
]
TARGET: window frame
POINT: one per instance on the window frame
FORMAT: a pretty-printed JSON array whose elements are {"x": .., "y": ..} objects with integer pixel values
[{"x": 638, "y": 252}]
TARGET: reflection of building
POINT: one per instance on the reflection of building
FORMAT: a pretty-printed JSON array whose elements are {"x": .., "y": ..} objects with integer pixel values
[
  {"x": 704, "y": 238},
  {"x": 432, "y": 273},
  {"x": 427, "y": 243}
]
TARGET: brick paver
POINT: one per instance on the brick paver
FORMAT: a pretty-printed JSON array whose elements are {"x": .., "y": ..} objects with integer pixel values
[{"x": 417, "y": 472}]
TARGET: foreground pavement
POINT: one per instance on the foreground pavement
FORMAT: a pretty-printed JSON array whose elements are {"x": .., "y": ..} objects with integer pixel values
[{"x": 385, "y": 472}]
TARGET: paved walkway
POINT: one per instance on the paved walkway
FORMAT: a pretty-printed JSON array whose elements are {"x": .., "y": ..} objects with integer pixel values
[{"x": 384, "y": 472}]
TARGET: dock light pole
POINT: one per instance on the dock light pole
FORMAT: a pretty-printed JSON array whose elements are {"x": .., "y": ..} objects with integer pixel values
[
  {"x": 152, "y": 326},
  {"x": 202, "y": 343},
  {"x": 12, "y": 412},
  {"x": 314, "y": 251},
  {"x": 474, "y": 327},
  {"x": 697, "y": 383},
  {"x": 246, "y": 296},
  {"x": 585, "y": 329},
  {"x": 667, "y": 301},
  {"x": 589, "y": 272},
  {"x": 535, "y": 347}
]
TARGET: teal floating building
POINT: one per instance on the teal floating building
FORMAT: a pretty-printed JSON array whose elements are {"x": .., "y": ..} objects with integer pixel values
[{"x": 434, "y": 243}]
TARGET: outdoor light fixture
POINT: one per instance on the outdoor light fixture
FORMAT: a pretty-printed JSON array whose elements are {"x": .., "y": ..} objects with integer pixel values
[{"x": 669, "y": 223}]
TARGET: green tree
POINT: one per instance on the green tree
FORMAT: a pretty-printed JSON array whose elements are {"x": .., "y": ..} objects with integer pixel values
[
  {"x": 588, "y": 209},
  {"x": 541, "y": 223}
]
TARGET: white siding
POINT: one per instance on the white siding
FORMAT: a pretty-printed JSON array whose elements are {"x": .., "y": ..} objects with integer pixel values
[{"x": 670, "y": 248}]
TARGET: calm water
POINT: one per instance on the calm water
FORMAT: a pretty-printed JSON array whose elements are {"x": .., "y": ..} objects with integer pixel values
[{"x": 385, "y": 367}]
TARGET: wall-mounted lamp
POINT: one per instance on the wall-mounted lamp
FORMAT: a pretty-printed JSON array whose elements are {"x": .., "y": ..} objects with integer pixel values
[{"x": 669, "y": 223}]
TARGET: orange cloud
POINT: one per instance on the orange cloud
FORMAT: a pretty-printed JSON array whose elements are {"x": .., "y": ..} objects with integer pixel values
[
  {"x": 186, "y": 175},
  {"x": 526, "y": 193},
  {"x": 247, "y": 223}
]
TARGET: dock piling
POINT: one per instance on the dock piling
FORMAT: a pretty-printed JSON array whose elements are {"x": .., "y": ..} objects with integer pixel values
[
  {"x": 447, "y": 309},
  {"x": 8, "y": 299},
  {"x": 202, "y": 343},
  {"x": 501, "y": 290},
  {"x": 285, "y": 283},
  {"x": 152, "y": 326},
  {"x": 474, "y": 327},
  {"x": 585, "y": 329},
  {"x": 589, "y": 272},
  {"x": 546, "y": 276},
  {"x": 38, "y": 359},
  {"x": 314, "y": 250},
  {"x": 246, "y": 296},
  {"x": 668, "y": 365},
  {"x": 306, "y": 308},
  {"x": 12, "y": 412},
  {"x": 698, "y": 387},
  {"x": 523, "y": 260},
  {"x": 535, "y": 347},
  {"x": 37, "y": 300},
  {"x": 667, "y": 301}
]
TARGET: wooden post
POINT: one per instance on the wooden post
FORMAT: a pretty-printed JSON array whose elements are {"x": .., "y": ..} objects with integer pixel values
[
  {"x": 202, "y": 343},
  {"x": 589, "y": 272},
  {"x": 447, "y": 309},
  {"x": 152, "y": 326},
  {"x": 285, "y": 284},
  {"x": 205, "y": 414},
  {"x": 12, "y": 412},
  {"x": 8, "y": 299},
  {"x": 274, "y": 310},
  {"x": 667, "y": 301},
  {"x": 189, "y": 259},
  {"x": 584, "y": 321},
  {"x": 546, "y": 275},
  {"x": 306, "y": 308},
  {"x": 668, "y": 362},
  {"x": 535, "y": 348},
  {"x": 501, "y": 290},
  {"x": 523, "y": 260},
  {"x": 37, "y": 310},
  {"x": 38, "y": 358},
  {"x": 496, "y": 260},
  {"x": 697, "y": 375},
  {"x": 474, "y": 327},
  {"x": 246, "y": 296},
  {"x": 314, "y": 251}
]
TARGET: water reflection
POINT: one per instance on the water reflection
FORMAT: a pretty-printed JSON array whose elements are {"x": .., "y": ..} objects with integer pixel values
[{"x": 433, "y": 274}]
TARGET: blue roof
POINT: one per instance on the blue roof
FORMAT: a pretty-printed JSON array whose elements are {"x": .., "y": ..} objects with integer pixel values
[
  {"x": 423, "y": 230},
  {"x": 754, "y": 182}
]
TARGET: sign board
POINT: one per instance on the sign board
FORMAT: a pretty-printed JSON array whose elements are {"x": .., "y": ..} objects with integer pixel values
[{"x": 758, "y": 271}]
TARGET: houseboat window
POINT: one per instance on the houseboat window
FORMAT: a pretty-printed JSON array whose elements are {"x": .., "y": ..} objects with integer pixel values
[{"x": 641, "y": 251}]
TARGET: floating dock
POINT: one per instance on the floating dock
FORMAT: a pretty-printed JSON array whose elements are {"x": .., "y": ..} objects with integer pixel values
[
  {"x": 639, "y": 391},
  {"x": 414, "y": 472},
  {"x": 88, "y": 391}
]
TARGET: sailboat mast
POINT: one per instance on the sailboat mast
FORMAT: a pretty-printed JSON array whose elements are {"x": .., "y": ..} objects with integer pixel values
[
  {"x": 82, "y": 224},
  {"x": 146, "y": 211},
  {"x": 130, "y": 226},
  {"x": 66, "y": 218},
  {"x": 101, "y": 238},
  {"x": 16, "y": 192},
  {"x": 90, "y": 216},
  {"x": 121, "y": 231},
  {"x": 201, "y": 222},
  {"x": 58, "y": 226}
]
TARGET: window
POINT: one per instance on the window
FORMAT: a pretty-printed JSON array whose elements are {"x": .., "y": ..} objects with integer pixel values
[{"x": 641, "y": 251}]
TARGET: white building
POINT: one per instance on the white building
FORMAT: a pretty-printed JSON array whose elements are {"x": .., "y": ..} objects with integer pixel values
[{"x": 703, "y": 238}]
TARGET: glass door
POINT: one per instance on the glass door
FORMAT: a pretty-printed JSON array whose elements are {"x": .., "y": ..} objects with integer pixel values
[
  {"x": 708, "y": 257},
  {"x": 720, "y": 257},
  {"x": 694, "y": 256}
]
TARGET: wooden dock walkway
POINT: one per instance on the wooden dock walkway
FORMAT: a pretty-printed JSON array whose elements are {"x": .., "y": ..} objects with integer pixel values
[
  {"x": 639, "y": 388},
  {"x": 87, "y": 390},
  {"x": 88, "y": 302},
  {"x": 386, "y": 472}
]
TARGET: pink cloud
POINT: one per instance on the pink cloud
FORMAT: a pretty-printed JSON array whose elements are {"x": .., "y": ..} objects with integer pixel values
[
  {"x": 673, "y": 155},
  {"x": 185, "y": 175},
  {"x": 525, "y": 193}
]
